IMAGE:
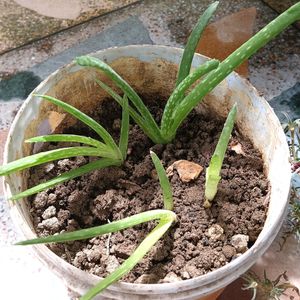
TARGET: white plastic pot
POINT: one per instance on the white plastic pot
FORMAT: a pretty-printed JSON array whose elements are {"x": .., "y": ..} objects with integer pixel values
[{"x": 152, "y": 69}]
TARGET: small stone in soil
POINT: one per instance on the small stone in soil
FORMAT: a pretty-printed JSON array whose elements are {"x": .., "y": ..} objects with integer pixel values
[
  {"x": 187, "y": 170},
  {"x": 215, "y": 233},
  {"x": 147, "y": 279},
  {"x": 171, "y": 277},
  {"x": 185, "y": 275},
  {"x": 228, "y": 251},
  {"x": 112, "y": 264},
  {"x": 51, "y": 224},
  {"x": 40, "y": 200},
  {"x": 240, "y": 242},
  {"x": 79, "y": 259},
  {"x": 237, "y": 148},
  {"x": 49, "y": 167},
  {"x": 49, "y": 212}
]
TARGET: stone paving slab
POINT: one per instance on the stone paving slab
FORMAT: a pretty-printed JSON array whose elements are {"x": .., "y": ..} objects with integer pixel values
[
  {"x": 22, "y": 21},
  {"x": 17, "y": 87},
  {"x": 129, "y": 32},
  {"x": 281, "y": 5}
]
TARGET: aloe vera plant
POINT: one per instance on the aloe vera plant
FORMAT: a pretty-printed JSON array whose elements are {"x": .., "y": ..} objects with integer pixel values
[
  {"x": 188, "y": 92},
  {"x": 180, "y": 105},
  {"x": 108, "y": 152}
]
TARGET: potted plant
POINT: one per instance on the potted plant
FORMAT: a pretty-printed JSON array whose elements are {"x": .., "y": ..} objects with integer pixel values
[{"x": 149, "y": 71}]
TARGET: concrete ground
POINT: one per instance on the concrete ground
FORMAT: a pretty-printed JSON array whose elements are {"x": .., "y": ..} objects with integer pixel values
[{"x": 274, "y": 71}]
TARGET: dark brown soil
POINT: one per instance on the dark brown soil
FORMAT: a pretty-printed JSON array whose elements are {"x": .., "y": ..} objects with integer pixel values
[{"x": 201, "y": 240}]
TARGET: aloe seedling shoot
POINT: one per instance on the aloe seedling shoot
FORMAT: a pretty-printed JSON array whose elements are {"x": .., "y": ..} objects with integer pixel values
[
  {"x": 189, "y": 91},
  {"x": 213, "y": 171}
]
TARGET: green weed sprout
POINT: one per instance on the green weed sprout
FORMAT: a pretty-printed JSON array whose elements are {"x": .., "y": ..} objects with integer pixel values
[
  {"x": 291, "y": 128},
  {"x": 165, "y": 217},
  {"x": 265, "y": 288},
  {"x": 213, "y": 171},
  {"x": 179, "y": 105},
  {"x": 107, "y": 150}
]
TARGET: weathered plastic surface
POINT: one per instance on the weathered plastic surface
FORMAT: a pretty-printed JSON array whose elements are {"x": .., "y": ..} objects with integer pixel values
[{"x": 152, "y": 69}]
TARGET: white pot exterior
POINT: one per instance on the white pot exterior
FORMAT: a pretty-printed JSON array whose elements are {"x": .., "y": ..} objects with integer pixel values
[{"x": 255, "y": 119}]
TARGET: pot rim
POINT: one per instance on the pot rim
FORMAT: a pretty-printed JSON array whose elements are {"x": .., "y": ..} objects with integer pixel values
[{"x": 248, "y": 258}]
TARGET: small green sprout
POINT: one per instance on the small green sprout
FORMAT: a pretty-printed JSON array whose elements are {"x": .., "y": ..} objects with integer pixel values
[
  {"x": 110, "y": 154},
  {"x": 266, "y": 288},
  {"x": 165, "y": 216},
  {"x": 164, "y": 182},
  {"x": 213, "y": 171},
  {"x": 291, "y": 129}
]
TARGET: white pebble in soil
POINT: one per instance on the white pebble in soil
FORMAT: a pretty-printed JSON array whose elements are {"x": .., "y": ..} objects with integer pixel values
[
  {"x": 147, "y": 278},
  {"x": 171, "y": 277},
  {"x": 49, "y": 212},
  {"x": 215, "y": 233},
  {"x": 240, "y": 242},
  {"x": 51, "y": 224},
  {"x": 112, "y": 264}
]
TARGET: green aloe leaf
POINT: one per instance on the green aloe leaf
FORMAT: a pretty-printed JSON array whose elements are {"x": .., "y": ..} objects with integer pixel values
[
  {"x": 88, "y": 233},
  {"x": 85, "y": 119},
  {"x": 95, "y": 165},
  {"x": 71, "y": 138},
  {"x": 145, "y": 246},
  {"x": 164, "y": 182},
  {"x": 44, "y": 157},
  {"x": 88, "y": 61},
  {"x": 236, "y": 58},
  {"x": 165, "y": 217},
  {"x": 178, "y": 95},
  {"x": 135, "y": 115},
  {"x": 213, "y": 171},
  {"x": 190, "y": 48},
  {"x": 123, "y": 143}
]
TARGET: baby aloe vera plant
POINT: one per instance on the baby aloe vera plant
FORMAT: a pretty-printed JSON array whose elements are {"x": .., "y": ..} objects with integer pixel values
[
  {"x": 213, "y": 171},
  {"x": 108, "y": 152},
  {"x": 190, "y": 89}
]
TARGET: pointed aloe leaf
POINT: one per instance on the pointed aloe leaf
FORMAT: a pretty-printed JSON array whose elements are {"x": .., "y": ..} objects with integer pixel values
[
  {"x": 236, "y": 58},
  {"x": 165, "y": 217},
  {"x": 114, "y": 226},
  {"x": 178, "y": 94},
  {"x": 164, "y": 182},
  {"x": 88, "y": 61},
  {"x": 190, "y": 48},
  {"x": 44, "y": 157},
  {"x": 145, "y": 246},
  {"x": 213, "y": 171},
  {"x": 85, "y": 119},
  {"x": 70, "y": 138},
  {"x": 123, "y": 143},
  {"x": 95, "y": 165},
  {"x": 135, "y": 115}
]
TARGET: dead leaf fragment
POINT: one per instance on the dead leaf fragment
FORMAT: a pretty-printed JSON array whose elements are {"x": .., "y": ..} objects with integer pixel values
[
  {"x": 187, "y": 170},
  {"x": 237, "y": 148}
]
